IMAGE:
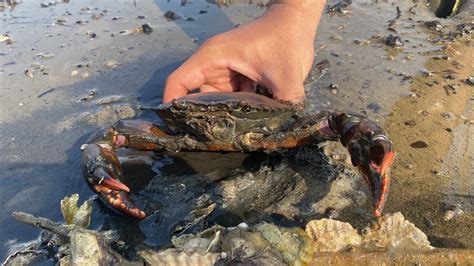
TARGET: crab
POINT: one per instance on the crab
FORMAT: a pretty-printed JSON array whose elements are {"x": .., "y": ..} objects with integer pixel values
[{"x": 237, "y": 121}]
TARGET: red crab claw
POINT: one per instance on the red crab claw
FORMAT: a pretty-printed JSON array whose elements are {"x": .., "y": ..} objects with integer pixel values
[
  {"x": 371, "y": 152},
  {"x": 102, "y": 172}
]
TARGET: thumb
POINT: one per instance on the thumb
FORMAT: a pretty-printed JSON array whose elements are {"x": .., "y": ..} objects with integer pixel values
[
  {"x": 292, "y": 92},
  {"x": 182, "y": 81}
]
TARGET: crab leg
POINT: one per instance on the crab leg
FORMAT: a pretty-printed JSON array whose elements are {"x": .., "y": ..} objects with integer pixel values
[{"x": 371, "y": 150}]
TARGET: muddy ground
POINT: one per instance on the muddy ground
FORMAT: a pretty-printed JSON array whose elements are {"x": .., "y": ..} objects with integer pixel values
[{"x": 72, "y": 67}]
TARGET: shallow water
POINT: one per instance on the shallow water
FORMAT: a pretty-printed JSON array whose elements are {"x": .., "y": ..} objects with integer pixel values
[{"x": 40, "y": 158}]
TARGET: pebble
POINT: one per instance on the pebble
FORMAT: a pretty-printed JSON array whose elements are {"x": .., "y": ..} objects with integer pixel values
[
  {"x": 45, "y": 55},
  {"x": 74, "y": 73},
  {"x": 170, "y": 15},
  {"x": 394, "y": 41},
  {"x": 450, "y": 76},
  {"x": 425, "y": 72},
  {"x": 419, "y": 144},
  {"x": 451, "y": 211},
  {"x": 447, "y": 115},
  {"x": 451, "y": 89},
  {"x": 374, "y": 107},
  {"x": 410, "y": 123},
  {"x": 243, "y": 226},
  {"x": 47, "y": 4},
  {"x": 91, "y": 34},
  {"x": 434, "y": 25},
  {"x": 334, "y": 88},
  {"x": 112, "y": 64},
  {"x": 441, "y": 57},
  {"x": 29, "y": 73},
  {"x": 141, "y": 17},
  {"x": 6, "y": 38},
  {"x": 470, "y": 81},
  {"x": 410, "y": 57},
  {"x": 362, "y": 42},
  {"x": 146, "y": 28}
]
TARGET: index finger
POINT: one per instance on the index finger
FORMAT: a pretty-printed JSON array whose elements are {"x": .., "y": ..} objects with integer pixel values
[{"x": 181, "y": 81}]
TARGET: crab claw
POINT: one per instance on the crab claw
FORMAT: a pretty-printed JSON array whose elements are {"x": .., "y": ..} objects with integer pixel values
[
  {"x": 371, "y": 152},
  {"x": 102, "y": 172}
]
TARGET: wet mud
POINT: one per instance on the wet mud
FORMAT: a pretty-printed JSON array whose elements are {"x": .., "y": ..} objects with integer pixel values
[{"x": 72, "y": 67}]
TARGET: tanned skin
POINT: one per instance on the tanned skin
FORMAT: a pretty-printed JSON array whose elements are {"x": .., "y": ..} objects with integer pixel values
[{"x": 276, "y": 51}]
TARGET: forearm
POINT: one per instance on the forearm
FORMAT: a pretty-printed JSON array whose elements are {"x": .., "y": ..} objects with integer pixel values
[{"x": 303, "y": 14}]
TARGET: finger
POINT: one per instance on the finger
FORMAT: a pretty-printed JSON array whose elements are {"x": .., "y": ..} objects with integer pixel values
[
  {"x": 209, "y": 88},
  {"x": 292, "y": 92},
  {"x": 182, "y": 80},
  {"x": 222, "y": 87},
  {"x": 233, "y": 84}
]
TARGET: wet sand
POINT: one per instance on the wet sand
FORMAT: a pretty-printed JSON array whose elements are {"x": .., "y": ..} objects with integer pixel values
[{"x": 45, "y": 118}]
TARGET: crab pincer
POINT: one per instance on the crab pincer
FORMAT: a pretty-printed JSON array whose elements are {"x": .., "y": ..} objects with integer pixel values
[
  {"x": 371, "y": 152},
  {"x": 103, "y": 173}
]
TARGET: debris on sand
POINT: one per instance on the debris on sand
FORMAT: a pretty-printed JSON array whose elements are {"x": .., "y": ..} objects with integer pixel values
[
  {"x": 171, "y": 16},
  {"x": 144, "y": 28},
  {"x": 6, "y": 38},
  {"x": 340, "y": 7},
  {"x": 112, "y": 64},
  {"x": 394, "y": 41}
]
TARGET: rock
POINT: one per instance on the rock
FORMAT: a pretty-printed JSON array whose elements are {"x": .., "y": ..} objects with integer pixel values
[
  {"x": 451, "y": 89},
  {"x": 343, "y": 192},
  {"x": 170, "y": 15},
  {"x": 470, "y": 81},
  {"x": 146, "y": 28},
  {"x": 334, "y": 88},
  {"x": 292, "y": 243},
  {"x": 88, "y": 248},
  {"x": 73, "y": 215},
  {"x": 340, "y": 7},
  {"x": 425, "y": 72},
  {"x": 410, "y": 122},
  {"x": 6, "y": 38},
  {"x": 450, "y": 211},
  {"x": 332, "y": 236},
  {"x": 394, "y": 234},
  {"x": 450, "y": 76},
  {"x": 419, "y": 144},
  {"x": 45, "y": 55},
  {"x": 256, "y": 191},
  {"x": 375, "y": 107},
  {"x": 394, "y": 41},
  {"x": 91, "y": 34},
  {"x": 434, "y": 25},
  {"x": 174, "y": 257},
  {"x": 112, "y": 64}
]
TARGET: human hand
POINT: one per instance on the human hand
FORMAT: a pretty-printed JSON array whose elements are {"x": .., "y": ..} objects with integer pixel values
[{"x": 275, "y": 51}]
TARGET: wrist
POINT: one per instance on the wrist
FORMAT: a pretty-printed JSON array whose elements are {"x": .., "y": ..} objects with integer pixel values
[
  {"x": 305, "y": 7},
  {"x": 301, "y": 15}
]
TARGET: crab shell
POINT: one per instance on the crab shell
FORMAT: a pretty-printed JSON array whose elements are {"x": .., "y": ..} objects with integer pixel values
[{"x": 223, "y": 116}]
